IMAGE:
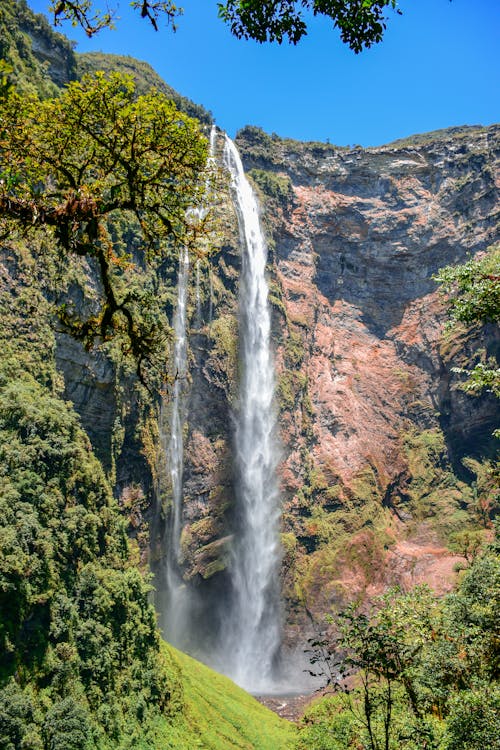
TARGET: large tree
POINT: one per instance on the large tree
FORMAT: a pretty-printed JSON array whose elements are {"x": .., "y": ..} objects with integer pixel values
[{"x": 85, "y": 166}]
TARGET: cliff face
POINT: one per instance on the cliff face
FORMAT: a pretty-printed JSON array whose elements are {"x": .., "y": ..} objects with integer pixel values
[
  {"x": 356, "y": 248},
  {"x": 365, "y": 380},
  {"x": 383, "y": 456}
]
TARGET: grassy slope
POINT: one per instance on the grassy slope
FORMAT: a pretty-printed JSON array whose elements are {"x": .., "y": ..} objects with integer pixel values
[{"x": 215, "y": 714}]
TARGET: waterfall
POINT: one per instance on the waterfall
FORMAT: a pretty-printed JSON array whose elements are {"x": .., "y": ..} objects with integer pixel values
[
  {"x": 252, "y": 628},
  {"x": 176, "y": 593},
  {"x": 246, "y": 642},
  {"x": 197, "y": 295},
  {"x": 178, "y": 598}
]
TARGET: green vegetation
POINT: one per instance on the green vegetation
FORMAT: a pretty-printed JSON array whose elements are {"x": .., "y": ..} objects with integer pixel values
[
  {"x": 416, "y": 672},
  {"x": 145, "y": 79},
  {"x": 361, "y": 24},
  {"x": 473, "y": 297},
  {"x": 82, "y": 666},
  {"x": 112, "y": 156},
  {"x": 221, "y": 716},
  {"x": 433, "y": 492},
  {"x": 274, "y": 185},
  {"x": 223, "y": 360},
  {"x": 78, "y": 635},
  {"x": 30, "y": 75}
]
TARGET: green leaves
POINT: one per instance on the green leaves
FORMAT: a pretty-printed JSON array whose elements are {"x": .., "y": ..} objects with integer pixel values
[
  {"x": 87, "y": 167},
  {"x": 473, "y": 289},
  {"x": 472, "y": 293},
  {"x": 361, "y": 22}
]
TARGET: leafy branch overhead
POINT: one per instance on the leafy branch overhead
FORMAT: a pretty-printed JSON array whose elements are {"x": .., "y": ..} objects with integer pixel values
[
  {"x": 83, "y": 13},
  {"x": 361, "y": 22},
  {"x": 77, "y": 165}
]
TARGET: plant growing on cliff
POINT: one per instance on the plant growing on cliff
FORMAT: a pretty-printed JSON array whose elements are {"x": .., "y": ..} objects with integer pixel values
[
  {"x": 75, "y": 166},
  {"x": 473, "y": 298}
]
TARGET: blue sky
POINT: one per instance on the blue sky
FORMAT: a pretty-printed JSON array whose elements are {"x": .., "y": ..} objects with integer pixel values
[{"x": 438, "y": 66}]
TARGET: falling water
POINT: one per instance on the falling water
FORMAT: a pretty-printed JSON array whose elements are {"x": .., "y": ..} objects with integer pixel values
[
  {"x": 252, "y": 624},
  {"x": 178, "y": 597},
  {"x": 197, "y": 295},
  {"x": 176, "y": 593}
]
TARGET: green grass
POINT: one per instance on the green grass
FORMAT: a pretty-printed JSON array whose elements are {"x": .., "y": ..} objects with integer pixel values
[{"x": 218, "y": 715}]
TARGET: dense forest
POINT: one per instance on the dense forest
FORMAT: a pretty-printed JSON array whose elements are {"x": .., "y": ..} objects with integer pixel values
[{"x": 100, "y": 164}]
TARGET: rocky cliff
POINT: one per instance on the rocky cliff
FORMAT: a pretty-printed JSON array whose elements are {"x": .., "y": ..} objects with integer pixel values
[{"x": 384, "y": 457}]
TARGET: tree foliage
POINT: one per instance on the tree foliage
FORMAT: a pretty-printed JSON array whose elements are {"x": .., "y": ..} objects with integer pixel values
[
  {"x": 472, "y": 292},
  {"x": 473, "y": 289},
  {"x": 78, "y": 639},
  {"x": 360, "y": 23},
  {"x": 416, "y": 673},
  {"x": 77, "y": 165},
  {"x": 83, "y": 13}
]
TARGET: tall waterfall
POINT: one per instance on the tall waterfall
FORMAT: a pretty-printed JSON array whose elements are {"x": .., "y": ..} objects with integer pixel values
[
  {"x": 176, "y": 591},
  {"x": 246, "y": 643},
  {"x": 178, "y": 597},
  {"x": 252, "y": 623}
]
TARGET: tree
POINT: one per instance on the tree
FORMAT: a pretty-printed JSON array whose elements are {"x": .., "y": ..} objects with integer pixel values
[
  {"x": 375, "y": 663},
  {"x": 361, "y": 22},
  {"x": 88, "y": 165},
  {"x": 416, "y": 672}
]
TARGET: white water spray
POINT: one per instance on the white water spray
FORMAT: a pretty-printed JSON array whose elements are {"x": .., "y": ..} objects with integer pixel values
[
  {"x": 177, "y": 595},
  {"x": 197, "y": 295},
  {"x": 252, "y": 632},
  {"x": 176, "y": 592}
]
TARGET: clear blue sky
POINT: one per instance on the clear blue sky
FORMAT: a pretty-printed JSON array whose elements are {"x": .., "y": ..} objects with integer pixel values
[{"x": 439, "y": 65}]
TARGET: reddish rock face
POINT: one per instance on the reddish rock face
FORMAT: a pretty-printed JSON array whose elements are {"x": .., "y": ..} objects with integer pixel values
[
  {"x": 373, "y": 426},
  {"x": 357, "y": 240}
]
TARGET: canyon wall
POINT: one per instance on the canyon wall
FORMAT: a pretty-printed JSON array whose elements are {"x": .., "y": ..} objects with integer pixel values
[{"x": 384, "y": 457}]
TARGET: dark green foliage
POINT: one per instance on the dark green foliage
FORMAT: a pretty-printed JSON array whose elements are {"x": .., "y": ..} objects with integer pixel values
[
  {"x": 473, "y": 289},
  {"x": 67, "y": 727},
  {"x": 31, "y": 72},
  {"x": 361, "y": 22},
  {"x": 79, "y": 645},
  {"x": 418, "y": 673},
  {"x": 111, "y": 157},
  {"x": 275, "y": 186},
  {"x": 474, "y": 720},
  {"x": 473, "y": 298}
]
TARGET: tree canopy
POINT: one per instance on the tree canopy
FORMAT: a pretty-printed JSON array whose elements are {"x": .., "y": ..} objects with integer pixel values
[
  {"x": 361, "y": 22},
  {"x": 88, "y": 164}
]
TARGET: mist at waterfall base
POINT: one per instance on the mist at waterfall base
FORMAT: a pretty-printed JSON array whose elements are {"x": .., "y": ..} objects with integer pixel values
[{"x": 237, "y": 626}]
